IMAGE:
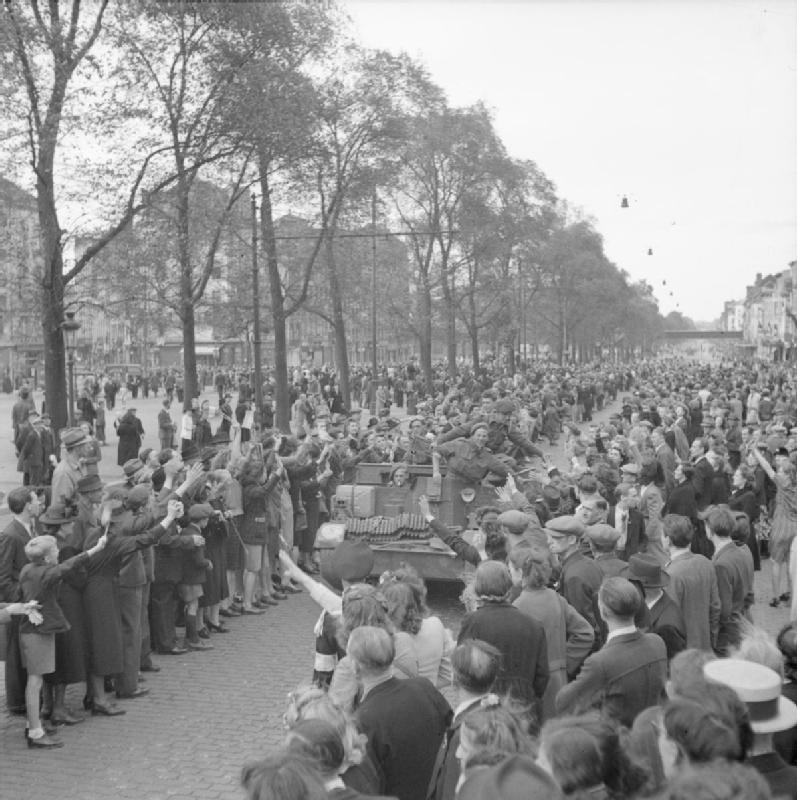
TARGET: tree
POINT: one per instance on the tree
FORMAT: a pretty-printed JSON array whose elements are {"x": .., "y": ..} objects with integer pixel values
[
  {"x": 44, "y": 80},
  {"x": 360, "y": 124},
  {"x": 182, "y": 64},
  {"x": 272, "y": 108},
  {"x": 502, "y": 228},
  {"x": 448, "y": 164}
]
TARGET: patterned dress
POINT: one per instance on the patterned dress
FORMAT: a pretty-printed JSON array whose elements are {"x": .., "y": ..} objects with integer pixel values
[{"x": 784, "y": 520}]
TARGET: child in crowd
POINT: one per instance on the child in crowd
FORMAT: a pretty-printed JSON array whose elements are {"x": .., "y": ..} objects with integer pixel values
[{"x": 39, "y": 581}]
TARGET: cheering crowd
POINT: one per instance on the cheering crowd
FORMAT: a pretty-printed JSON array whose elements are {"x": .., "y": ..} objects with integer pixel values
[{"x": 608, "y": 648}]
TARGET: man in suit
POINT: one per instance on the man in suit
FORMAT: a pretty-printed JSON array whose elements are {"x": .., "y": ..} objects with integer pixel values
[
  {"x": 703, "y": 477},
  {"x": 405, "y": 720},
  {"x": 629, "y": 673},
  {"x": 666, "y": 459},
  {"x": 475, "y": 665},
  {"x": 693, "y": 584},
  {"x": 25, "y": 506},
  {"x": 660, "y": 613},
  {"x": 580, "y": 578},
  {"x": 629, "y": 522},
  {"x": 734, "y": 567}
]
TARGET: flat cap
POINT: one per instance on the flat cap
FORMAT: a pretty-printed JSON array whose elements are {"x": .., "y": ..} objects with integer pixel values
[
  {"x": 630, "y": 469},
  {"x": 514, "y": 521},
  {"x": 602, "y": 534}
]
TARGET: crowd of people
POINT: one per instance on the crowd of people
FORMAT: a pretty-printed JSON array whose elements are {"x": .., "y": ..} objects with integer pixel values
[{"x": 608, "y": 646}]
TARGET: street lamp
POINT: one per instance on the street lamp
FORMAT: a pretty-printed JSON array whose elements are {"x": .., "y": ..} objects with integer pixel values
[{"x": 70, "y": 327}]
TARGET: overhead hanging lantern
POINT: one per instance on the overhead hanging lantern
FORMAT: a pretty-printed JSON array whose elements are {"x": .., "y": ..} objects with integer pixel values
[{"x": 624, "y": 202}]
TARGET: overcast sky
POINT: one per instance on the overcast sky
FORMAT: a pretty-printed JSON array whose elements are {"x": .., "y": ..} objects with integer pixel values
[{"x": 688, "y": 107}]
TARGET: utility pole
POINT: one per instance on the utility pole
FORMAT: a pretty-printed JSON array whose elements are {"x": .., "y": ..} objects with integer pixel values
[{"x": 256, "y": 311}]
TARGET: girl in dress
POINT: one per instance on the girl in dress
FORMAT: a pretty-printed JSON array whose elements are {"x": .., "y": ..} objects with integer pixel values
[{"x": 784, "y": 522}]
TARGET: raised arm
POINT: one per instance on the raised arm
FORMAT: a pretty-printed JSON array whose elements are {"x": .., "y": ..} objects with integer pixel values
[{"x": 765, "y": 465}]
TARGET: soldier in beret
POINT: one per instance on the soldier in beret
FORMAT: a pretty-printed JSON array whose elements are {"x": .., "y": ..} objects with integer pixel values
[{"x": 501, "y": 438}]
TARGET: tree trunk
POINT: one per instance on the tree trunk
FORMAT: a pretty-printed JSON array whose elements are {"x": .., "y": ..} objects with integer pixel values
[
  {"x": 425, "y": 331},
  {"x": 282, "y": 409},
  {"x": 339, "y": 326},
  {"x": 55, "y": 378},
  {"x": 451, "y": 325},
  {"x": 190, "y": 383},
  {"x": 562, "y": 348},
  {"x": 53, "y": 270},
  {"x": 473, "y": 330}
]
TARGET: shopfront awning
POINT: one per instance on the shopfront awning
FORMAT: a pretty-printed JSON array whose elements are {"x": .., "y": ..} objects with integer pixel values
[{"x": 206, "y": 350}]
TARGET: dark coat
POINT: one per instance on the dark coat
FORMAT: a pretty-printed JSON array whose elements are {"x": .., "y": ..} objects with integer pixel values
[
  {"x": 405, "y": 721},
  {"x": 12, "y": 559},
  {"x": 745, "y": 500},
  {"x": 635, "y": 541},
  {"x": 169, "y": 555},
  {"x": 681, "y": 500},
  {"x": 101, "y": 600},
  {"x": 786, "y": 741},
  {"x": 666, "y": 620},
  {"x": 734, "y": 567},
  {"x": 623, "y": 678},
  {"x": 130, "y": 432},
  {"x": 702, "y": 482},
  {"x": 693, "y": 587},
  {"x": 782, "y": 778},
  {"x": 446, "y": 769},
  {"x": 578, "y": 584},
  {"x": 524, "y": 665}
]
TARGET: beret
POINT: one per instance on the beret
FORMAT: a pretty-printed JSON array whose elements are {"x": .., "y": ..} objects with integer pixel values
[
  {"x": 200, "y": 511},
  {"x": 564, "y": 526},
  {"x": 602, "y": 534},
  {"x": 515, "y": 521}
]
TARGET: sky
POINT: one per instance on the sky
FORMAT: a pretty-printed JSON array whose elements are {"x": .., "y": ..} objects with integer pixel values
[{"x": 687, "y": 107}]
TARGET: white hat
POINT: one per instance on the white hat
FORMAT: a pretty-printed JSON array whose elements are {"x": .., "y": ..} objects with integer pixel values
[{"x": 760, "y": 689}]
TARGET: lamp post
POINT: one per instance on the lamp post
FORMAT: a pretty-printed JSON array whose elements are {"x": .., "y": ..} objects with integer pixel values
[{"x": 70, "y": 327}]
